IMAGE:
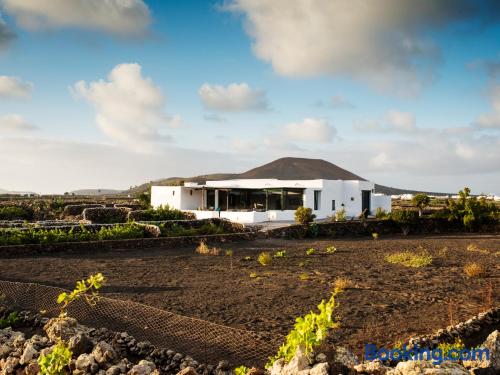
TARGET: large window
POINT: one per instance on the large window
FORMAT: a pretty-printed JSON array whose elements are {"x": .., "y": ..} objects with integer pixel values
[
  {"x": 317, "y": 200},
  {"x": 333, "y": 205}
]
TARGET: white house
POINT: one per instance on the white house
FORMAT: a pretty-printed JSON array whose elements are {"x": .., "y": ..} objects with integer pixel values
[{"x": 274, "y": 191}]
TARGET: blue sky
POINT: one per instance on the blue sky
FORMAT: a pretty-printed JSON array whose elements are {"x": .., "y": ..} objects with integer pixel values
[{"x": 404, "y": 94}]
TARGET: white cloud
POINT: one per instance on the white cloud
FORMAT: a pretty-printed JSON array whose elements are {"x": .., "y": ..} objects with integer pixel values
[
  {"x": 14, "y": 122},
  {"x": 310, "y": 130},
  {"x": 130, "y": 107},
  {"x": 13, "y": 87},
  {"x": 233, "y": 98},
  {"x": 401, "y": 121},
  {"x": 394, "y": 122},
  {"x": 117, "y": 17},
  {"x": 336, "y": 102},
  {"x": 385, "y": 43},
  {"x": 491, "y": 120}
]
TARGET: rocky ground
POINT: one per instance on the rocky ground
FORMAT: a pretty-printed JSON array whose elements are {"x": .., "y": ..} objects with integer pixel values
[{"x": 102, "y": 352}]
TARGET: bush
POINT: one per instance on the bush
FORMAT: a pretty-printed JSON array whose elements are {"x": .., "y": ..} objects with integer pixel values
[
  {"x": 472, "y": 212},
  {"x": 106, "y": 215},
  {"x": 404, "y": 218},
  {"x": 18, "y": 236},
  {"x": 14, "y": 213},
  {"x": 162, "y": 213},
  {"x": 421, "y": 201},
  {"x": 380, "y": 213},
  {"x": 474, "y": 270},
  {"x": 265, "y": 259},
  {"x": 409, "y": 259},
  {"x": 304, "y": 215},
  {"x": 340, "y": 215}
]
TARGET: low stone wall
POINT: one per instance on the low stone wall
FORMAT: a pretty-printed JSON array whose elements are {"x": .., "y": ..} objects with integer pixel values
[
  {"x": 141, "y": 243},
  {"x": 360, "y": 228}
]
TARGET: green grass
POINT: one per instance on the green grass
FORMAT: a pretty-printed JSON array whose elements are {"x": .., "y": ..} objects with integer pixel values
[{"x": 409, "y": 259}]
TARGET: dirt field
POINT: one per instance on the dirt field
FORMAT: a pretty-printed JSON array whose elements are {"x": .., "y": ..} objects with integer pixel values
[{"x": 385, "y": 303}]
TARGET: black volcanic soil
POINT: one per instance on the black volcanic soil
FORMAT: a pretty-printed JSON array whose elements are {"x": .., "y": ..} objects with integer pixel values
[{"x": 385, "y": 303}]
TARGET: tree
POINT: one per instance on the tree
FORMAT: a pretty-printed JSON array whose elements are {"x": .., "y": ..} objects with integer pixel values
[
  {"x": 421, "y": 201},
  {"x": 472, "y": 212}
]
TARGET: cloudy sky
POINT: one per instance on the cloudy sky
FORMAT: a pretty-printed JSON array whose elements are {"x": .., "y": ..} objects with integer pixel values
[{"x": 114, "y": 93}]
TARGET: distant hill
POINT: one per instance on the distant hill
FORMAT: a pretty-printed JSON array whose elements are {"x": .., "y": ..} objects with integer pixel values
[
  {"x": 284, "y": 169},
  {"x": 96, "y": 192},
  {"x": 11, "y": 192}
]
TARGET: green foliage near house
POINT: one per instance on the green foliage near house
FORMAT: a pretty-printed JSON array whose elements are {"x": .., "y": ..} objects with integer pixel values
[
  {"x": 13, "y": 213},
  {"x": 421, "y": 201},
  {"x": 9, "y": 320},
  {"x": 471, "y": 211},
  {"x": 161, "y": 213},
  {"x": 304, "y": 215}
]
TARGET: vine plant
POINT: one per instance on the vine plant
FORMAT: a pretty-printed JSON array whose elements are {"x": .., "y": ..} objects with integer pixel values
[
  {"x": 309, "y": 331},
  {"x": 57, "y": 361}
]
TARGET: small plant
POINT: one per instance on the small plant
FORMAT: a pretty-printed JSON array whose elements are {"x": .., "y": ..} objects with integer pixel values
[
  {"x": 254, "y": 275},
  {"x": 375, "y": 236},
  {"x": 9, "y": 320},
  {"x": 280, "y": 254},
  {"x": 410, "y": 259},
  {"x": 474, "y": 248},
  {"x": 265, "y": 258},
  {"x": 447, "y": 348},
  {"x": 82, "y": 289},
  {"x": 204, "y": 249},
  {"x": 304, "y": 215},
  {"x": 304, "y": 276},
  {"x": 331, "y": 249},
  {"x": 302, "y": 264},
  {"x": 247, "y": 259},
  {"x": 241, "y": 370},
  {"x": 380, "y": 213},
  {"x": 56, "y": 362},
  {"x": 341, "y": 283},
  {"x": 340, "y": 215},
  {"x": 404, "y": 219},
  {"x": 474, "y": 270},
  {"x": 310, "y": 251},
  {"x": 308, "y": 332}
]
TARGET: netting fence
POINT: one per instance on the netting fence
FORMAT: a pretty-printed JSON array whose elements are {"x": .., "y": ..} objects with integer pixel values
[{"x": 204, "y": 341}]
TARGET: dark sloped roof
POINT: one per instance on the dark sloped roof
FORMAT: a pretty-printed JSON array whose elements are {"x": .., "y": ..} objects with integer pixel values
[{"x": 299, "y": 169}]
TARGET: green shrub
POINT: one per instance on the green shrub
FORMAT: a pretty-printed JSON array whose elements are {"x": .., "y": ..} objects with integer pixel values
[
  {"x": 13, "y": 213},
  {"x": 304, "y": 215},
  {"x": 56, "y": 362},
  {"x": 380, "y": 213},
  {"x": 9, "y": 320},
  {"x": 308, "y": 332},
  {"x": 162, "y": 213},
  {"x": 404, "y": 219},
  {"x": 472, "y": 212},
  {"x": 340, "y": 215},
  {"x": 331, "y": 249},
  {"x": 421, "y": 201},
  {"x": 310, "y": 251},
  {"x": 410, "y": 259},
  {"x": 265, "y": 259},
  {"x": 280, "y": 254}
]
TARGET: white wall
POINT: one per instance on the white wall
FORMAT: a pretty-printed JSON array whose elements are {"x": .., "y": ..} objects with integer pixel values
[{"x": 185, "y": 198}]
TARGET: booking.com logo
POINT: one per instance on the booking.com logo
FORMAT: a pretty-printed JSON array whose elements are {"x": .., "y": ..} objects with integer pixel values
[{"x": 437, "y": 355}]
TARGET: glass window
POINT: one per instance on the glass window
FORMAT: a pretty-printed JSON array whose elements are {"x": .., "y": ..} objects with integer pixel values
[
  {"x": 333, "y": 205},
  {"x": 317, "y": 199}
]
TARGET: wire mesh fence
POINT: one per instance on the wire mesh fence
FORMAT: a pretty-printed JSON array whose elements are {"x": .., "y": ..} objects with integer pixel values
[{"x": 205, "y": 341}]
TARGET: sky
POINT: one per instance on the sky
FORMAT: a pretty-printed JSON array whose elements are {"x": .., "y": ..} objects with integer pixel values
[{"x": 115, "y": 93}]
